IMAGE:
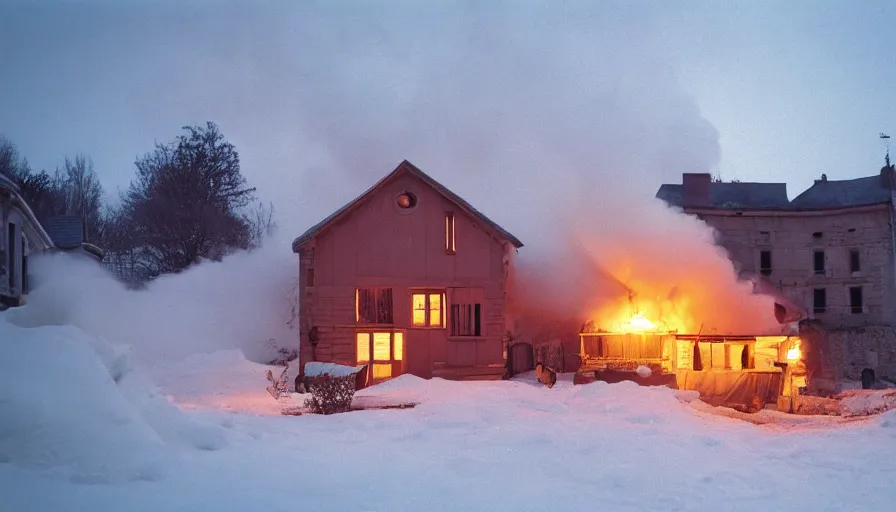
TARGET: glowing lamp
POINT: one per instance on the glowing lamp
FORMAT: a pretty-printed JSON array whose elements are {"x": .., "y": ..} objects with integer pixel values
[{"x": 793, "y": 354}]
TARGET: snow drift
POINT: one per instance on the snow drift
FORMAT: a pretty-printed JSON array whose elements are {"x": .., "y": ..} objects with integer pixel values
[{"x": 72, "y": 404}]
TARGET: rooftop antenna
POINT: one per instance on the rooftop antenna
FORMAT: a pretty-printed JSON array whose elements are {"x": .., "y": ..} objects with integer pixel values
[{"x": 886, "y": 139}]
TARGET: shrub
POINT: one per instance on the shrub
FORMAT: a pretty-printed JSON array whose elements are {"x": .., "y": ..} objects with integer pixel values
[{"x": 330, "y": 395}]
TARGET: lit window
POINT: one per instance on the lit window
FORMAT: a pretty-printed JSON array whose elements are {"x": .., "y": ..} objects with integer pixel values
[
  {"x": 381, "y": 348},
  {"x": 435, "y": 309},
  {"x": 428, "y": 310},
  {"x": 382, "y": 371},
  {"x": 419, "y": 300},
  {"x": 363, "y": 343},
  {"x": 397, "y": 346},
  {"x": 450, "y": 246}
]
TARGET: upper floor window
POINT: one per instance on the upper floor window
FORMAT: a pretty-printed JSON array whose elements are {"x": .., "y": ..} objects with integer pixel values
[
  {"x": 818, "y": 262},
  {"x": 466, "y": 312},
  {"x": 854, "y": 261},
  {"x": 856, "y": 302},
  {"x": 765, "y": 262},
  {"x": 450, "y": 246},
  {"x": 406, "y": 202},
  {"x": 428, "y": 309},
  {"x": 819, "y": 300},
  {"x": 373, "y": 306}
]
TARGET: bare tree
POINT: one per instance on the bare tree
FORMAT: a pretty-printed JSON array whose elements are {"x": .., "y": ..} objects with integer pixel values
[
  {"x": 261, "y": 224},
  {"x": 82, "y": 192},
  {"x": 9, "y": 159},
  {"x": 187, "y": 200}
]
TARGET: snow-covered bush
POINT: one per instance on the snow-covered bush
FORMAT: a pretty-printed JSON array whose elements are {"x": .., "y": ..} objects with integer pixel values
[{"x": 330, "y": 394}]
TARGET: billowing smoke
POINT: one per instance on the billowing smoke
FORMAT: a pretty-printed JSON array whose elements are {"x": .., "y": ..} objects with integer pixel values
[{"x": 558, "y": 120}]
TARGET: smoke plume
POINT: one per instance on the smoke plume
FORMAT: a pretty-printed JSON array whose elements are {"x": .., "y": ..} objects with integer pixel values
[{"x": 558, "y": 121}]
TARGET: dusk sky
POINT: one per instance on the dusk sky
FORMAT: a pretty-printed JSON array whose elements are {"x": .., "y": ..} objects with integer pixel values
[{"x": 309, "y": 91}]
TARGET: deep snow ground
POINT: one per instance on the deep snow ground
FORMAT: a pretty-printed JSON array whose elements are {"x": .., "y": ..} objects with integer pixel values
[{"x": 467, "y": 446}]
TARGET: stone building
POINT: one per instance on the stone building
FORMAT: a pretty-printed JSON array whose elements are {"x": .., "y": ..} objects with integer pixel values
[{"x": 830, "y": 249}]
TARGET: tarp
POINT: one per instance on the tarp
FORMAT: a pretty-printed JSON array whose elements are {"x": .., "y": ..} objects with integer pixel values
[{"x": 730, "y": 388}]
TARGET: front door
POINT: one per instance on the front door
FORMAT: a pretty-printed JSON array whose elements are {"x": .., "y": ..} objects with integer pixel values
[{"x": 383, "y": 352}]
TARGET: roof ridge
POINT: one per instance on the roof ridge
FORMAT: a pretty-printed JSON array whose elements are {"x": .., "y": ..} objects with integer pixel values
[{"x": 404, "y": 166}]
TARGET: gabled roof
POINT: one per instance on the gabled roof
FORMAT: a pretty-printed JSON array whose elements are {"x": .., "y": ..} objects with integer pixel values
[
  {"x": 733, "y": 195},
  {"x": 404, "y": 167},
  {"x": 836, "y": 194}
]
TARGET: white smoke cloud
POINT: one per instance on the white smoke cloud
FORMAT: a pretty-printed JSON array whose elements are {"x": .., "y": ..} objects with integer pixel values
[{"x": 558, "y": 121}]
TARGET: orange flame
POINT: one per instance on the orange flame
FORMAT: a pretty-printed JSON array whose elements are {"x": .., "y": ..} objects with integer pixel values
[{"x": 637, "y": 323}]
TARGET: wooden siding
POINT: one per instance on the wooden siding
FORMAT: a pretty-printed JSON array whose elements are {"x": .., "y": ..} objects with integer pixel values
[{"x": 378, "y": 245}]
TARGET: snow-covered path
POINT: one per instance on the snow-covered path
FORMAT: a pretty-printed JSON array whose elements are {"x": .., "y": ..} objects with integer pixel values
[{"x": 505, "y": 446}]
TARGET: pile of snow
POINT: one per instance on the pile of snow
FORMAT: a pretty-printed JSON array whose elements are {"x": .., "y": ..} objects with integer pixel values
[
  {"x": 866, "y": 402},
  {"x": 220, "y": 380},
  {"x": 72, "y": 404}
]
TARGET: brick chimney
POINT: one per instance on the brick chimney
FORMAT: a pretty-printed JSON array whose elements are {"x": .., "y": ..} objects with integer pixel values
[{"x": 695, "y": 189}]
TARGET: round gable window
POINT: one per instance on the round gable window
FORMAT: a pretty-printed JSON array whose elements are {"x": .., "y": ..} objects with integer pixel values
[{"x": 406, "y": 201}]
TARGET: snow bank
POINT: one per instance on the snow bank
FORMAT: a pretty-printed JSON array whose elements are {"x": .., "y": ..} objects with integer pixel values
[
  {"x": 72, "y": 404},
  {"x": 221, "y": 380},
  {"x": 866, "y": 402}
]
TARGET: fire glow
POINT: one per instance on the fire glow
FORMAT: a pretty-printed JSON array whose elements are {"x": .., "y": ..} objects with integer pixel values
[{"x": 637, "y": 323}]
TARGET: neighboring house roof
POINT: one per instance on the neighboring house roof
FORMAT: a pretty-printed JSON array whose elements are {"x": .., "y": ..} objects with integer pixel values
[
  {"x": 404, "y": 167},
  {"x": 835, "y": 194},
  {"x": 733, "y": 195},
  {"x": 68, "y": 233}
]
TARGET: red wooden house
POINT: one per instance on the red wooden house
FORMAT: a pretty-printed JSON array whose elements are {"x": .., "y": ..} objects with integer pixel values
[{"x": 408, "y": 278}]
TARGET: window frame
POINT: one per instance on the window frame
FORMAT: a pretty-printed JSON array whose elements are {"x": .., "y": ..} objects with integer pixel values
[
  {"x": 450, "y": 233},
  {"x": 475, "y": 314},
  {"x": 427, "y": 307},
  {"x": 376, "y": 290},
  {"x": 396, "y": 364}
]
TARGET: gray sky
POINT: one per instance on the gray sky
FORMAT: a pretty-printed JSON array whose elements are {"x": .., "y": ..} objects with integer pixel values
[{"x": 502, "y": 101}]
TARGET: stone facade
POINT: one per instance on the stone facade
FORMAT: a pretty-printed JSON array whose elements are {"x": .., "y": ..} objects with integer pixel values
[
  {"x": 855, "y": 247},
  {"x": 830, "y": 250}
]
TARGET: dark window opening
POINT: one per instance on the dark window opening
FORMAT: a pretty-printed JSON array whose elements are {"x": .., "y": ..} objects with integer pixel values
[
  {"x": 856, "y": 304},
  {"x": 852, "y": 230},
  {"x": 854, "y": 262},
  {"x": 466, "y": 320},
  {"x": 309, "y": 277},
  {"x": 373, "y": 305},
  {"x": 816, "y": 234},
  {"x": 763, "y": 233},
  {"x": 765, "y": 262},
  {"x": 819, "y": 262},
  {"x": 819, "y": 300}
]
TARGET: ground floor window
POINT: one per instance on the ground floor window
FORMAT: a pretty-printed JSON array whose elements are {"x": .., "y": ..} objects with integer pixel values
[
  {"x": 465, "y": 319},
  {"x": 428, "y": 308},
  {"x": 382, "y": 350}
]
